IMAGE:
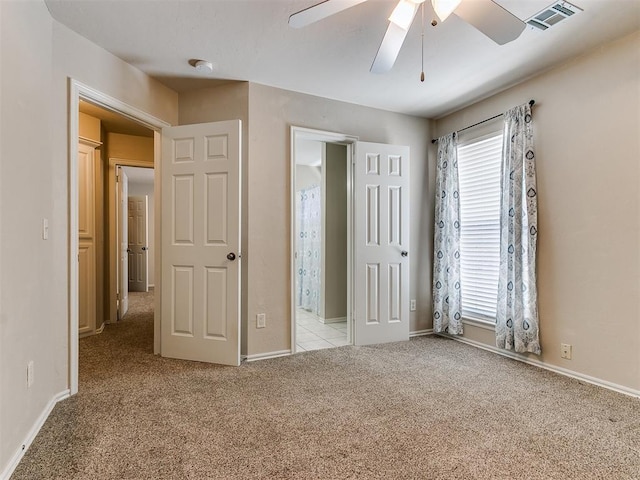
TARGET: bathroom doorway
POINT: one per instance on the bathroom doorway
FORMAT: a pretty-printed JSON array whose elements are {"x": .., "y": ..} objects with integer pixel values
[{"x": 321, "y": 285}]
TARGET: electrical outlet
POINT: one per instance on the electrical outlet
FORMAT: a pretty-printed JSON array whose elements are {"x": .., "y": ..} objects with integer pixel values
[
  {"x": 29, "y": 373},
  {"x": 261, "y": 320},
  {"x": 565, "y": 351},
  {"x": 412, "y": 305}
]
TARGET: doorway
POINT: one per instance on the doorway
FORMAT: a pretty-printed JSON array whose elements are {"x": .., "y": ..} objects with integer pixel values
[
  {"x": 321, "y": 287},
  {"x": 82, "y": 94},
  {"x": 129, "y": 242},
  {"x": 140, "y": 224},
  {"x": 321, "y": 240},
  {"x": 377, "y": 245}
]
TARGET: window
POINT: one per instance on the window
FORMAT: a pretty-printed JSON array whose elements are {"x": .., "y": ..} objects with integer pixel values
[{"x": 479, "y": 162}]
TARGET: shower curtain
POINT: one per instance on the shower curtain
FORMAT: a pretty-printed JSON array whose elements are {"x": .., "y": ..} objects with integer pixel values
[{"x": 308, "y": 208}]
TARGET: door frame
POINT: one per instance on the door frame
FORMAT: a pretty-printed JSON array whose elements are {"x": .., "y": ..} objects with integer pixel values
[
  {"x": 301, "y": 133},
  {"x": 79, "y": 91},
  {"x": 113, "y": 247}
]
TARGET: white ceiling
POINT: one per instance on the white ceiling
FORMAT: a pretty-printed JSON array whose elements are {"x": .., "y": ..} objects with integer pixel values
[{"x": 250, "y": 40}]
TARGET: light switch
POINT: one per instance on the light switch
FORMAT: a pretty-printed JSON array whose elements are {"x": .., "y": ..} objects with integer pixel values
[{"x": 45, "y": 229}]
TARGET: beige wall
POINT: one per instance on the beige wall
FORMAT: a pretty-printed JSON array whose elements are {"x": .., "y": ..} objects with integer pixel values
[
  {"x": 30, "y": 310},
  {"x": 38, "y": 55},
  {"x": 129, "y": 147},
  {"x": 89, "y": 127},
  {"x": 587, "y": 134},
  {"x": 335, "y": 232},
  {"x": 271, "y": 114}
]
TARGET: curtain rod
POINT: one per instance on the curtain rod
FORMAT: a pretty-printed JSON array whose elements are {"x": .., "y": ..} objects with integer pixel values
[{"x": 531, "y": 103}]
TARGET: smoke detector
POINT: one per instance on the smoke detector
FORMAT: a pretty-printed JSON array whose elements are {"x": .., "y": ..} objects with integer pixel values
[
  {"x": 204, "y": 67},
  {"x": 552, "y": 15}
]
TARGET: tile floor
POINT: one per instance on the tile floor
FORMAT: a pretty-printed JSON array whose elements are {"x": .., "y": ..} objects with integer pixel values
[{"x": 312, "y": 334}]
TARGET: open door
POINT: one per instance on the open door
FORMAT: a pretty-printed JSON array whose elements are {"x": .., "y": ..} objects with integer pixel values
[
  {"x": 123, "y": 243},
  {"x": 381, "y": 243},
  {"x": 201, "y": 242},
  {"x": 138, "y": 244}
]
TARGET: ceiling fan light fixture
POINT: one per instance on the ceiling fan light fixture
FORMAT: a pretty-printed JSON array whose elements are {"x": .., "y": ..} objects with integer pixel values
[
  {"x": 403, "y": 14},
  {"x": 444, "y": 8}
]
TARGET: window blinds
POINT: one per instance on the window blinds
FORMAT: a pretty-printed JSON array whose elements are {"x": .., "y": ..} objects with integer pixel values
[{"x": 479, "y": 175}]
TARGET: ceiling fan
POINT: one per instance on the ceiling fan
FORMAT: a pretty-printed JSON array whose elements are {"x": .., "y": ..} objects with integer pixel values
[{"x": 487, "y": 16}]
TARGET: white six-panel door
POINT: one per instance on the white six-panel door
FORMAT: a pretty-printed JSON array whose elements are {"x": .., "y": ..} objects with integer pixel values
[
  {"x": 381, "y": 218},
  {"x": 138, "y": 243},
  {"x": 201, "y": 242},
  {"x": 123, "y": 241}
]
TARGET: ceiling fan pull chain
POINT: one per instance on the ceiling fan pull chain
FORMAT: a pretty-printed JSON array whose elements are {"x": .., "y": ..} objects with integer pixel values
[{"x": 422, "y": 45}]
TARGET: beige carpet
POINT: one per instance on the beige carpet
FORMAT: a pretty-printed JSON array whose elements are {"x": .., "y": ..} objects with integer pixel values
[{"x": 430, "y": 408}]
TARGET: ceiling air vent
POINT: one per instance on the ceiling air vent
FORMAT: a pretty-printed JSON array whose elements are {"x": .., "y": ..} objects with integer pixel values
[{"x": 553, "y": 14}]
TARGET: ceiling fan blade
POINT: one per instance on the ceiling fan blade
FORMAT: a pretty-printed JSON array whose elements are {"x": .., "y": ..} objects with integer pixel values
[
  {"x": 493, "y": 20},
  {"x": 321, "y": 10},
  {"x": 389, "y": 49}
]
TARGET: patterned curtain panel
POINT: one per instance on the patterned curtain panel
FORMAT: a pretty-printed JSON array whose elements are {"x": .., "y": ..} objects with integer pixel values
[
  {"x": 447, "y": 306},
  {"x": 517, "y": 309},
  {"x": 309, "y": 248}
]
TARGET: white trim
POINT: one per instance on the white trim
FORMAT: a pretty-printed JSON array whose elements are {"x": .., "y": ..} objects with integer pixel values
[
  {"x": 31, "y": 435},
  {"x": 326, "y": 137},
  {"x": 333, "y": 320},
  {"x": 117, "y": 106},
  {"x": 79, "y": 91},
  {"x": 89, "y": 142},
  {"x": 537, "y": 363},
  {"x": 421, "y": 333},
  {"x": 265, "y": 356}
]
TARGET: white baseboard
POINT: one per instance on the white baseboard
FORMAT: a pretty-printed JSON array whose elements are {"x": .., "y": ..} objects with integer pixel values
[
  {"x": 421, "y": 333},
  {"x": 101, "y": 329},
  {"x": 284, "y": 353},
  {"x": 264, "y": 356},
  {"x": 333, "y": 320},
  {"x": 537, "y": 363},
  {"x": 31, "y": 435}
]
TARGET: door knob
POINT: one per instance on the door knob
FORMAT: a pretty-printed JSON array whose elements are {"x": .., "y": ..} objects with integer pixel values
[
  {"x": 129, "y": 250},
  {"x": 231, "y": 256},
  {"x": 404, "y": 253},
  {"x": 145, "y": 248}
]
